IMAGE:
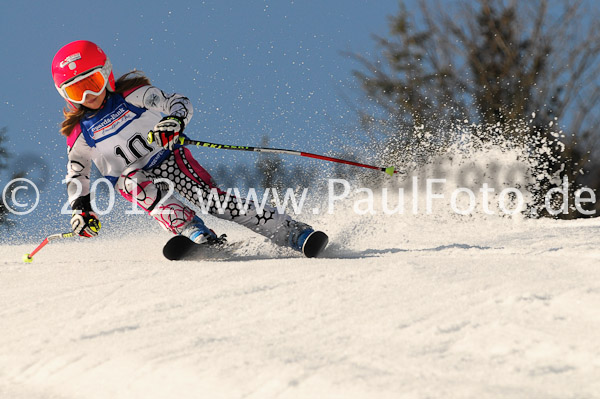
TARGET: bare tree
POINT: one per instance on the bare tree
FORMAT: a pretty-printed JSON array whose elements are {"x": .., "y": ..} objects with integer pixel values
[
  {"x": 3, "y": 152},
  {"x": 270, "y": 169},
  {"x": 4, "y": 156},
  {"x": 487, "y": 61}
]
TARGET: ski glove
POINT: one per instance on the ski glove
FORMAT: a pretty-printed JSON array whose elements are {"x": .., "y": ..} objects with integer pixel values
[
  {"x": 85, "y": 223},
  {"x": 166, "y": 132}
]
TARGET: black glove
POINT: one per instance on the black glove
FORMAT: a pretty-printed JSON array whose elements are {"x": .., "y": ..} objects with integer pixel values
[
  {"x": 166, "y": 132},
  {"x": 85, "y": 224},
  {"x": 84, "y": 221}
]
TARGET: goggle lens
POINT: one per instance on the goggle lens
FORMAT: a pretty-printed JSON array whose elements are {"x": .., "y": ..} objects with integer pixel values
[{"x": 93, "y": 83}]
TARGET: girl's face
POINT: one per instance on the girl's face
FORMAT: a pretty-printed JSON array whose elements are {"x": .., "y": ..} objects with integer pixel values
[{"x": 94, "y": 102}]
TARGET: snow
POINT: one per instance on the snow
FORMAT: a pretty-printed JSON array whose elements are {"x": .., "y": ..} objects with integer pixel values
[{"x": 403, "y": 306}]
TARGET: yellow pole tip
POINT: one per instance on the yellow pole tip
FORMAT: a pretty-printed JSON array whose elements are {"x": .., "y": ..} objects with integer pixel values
[{"x": 27, "y": 258}]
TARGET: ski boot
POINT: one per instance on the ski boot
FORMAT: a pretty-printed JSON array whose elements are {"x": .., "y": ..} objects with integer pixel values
[
  {"x": 193, "y": 234},
  {"x": 197, "y": 231},
  {"x": 308, "y": 241}
]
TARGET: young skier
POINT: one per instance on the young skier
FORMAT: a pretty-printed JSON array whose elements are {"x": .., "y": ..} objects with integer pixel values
[{"x": 131, "y": 131}]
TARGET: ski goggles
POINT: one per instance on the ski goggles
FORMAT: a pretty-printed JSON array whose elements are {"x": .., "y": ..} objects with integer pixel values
[{"x": 92, "y": 82}]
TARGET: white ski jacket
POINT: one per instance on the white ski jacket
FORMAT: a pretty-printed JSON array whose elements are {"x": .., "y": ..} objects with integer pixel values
[{"x": 114, "y": 138}]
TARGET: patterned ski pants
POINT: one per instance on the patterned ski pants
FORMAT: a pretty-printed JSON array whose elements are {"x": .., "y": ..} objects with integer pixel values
[{"x": 183, "y": 174}]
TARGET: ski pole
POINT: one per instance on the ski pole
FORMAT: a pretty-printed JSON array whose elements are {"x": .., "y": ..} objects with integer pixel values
[
  {"x": 389, "y": 170},
  {"x": 28, "y": 258}
]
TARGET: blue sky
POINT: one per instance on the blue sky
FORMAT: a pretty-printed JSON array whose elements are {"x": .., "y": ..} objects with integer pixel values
[{"x": 251, "y": 68}]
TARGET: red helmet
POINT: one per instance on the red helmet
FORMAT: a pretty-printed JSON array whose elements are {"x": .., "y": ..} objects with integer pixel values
[{"x": 79, "y": 68}]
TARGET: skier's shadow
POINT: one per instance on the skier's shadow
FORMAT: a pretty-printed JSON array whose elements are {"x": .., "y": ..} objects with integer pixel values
[
  {"x": 338, "y": 252},
  {"x": 231, "y": 255},
  {"x": 334, "y": 251}
]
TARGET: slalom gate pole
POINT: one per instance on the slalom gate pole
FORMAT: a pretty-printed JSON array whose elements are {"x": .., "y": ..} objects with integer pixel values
[
  {"x": 28, "y": 258},
  {"x": 389, "y": 170}
]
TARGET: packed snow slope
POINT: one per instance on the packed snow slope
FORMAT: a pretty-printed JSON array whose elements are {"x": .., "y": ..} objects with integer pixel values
[{"x": 398, "y": 307}]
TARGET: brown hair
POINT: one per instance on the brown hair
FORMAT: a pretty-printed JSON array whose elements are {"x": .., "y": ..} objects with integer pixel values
[{"x": 73, "y": 115}]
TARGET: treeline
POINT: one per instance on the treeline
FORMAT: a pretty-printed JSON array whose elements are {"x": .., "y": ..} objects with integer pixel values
[{"x": 268, "y": 171}]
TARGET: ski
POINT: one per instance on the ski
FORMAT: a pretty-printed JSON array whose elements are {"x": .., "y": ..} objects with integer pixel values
[
  {"x": 315, "y": 244},
  {"x": 180, "y": 247}
]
